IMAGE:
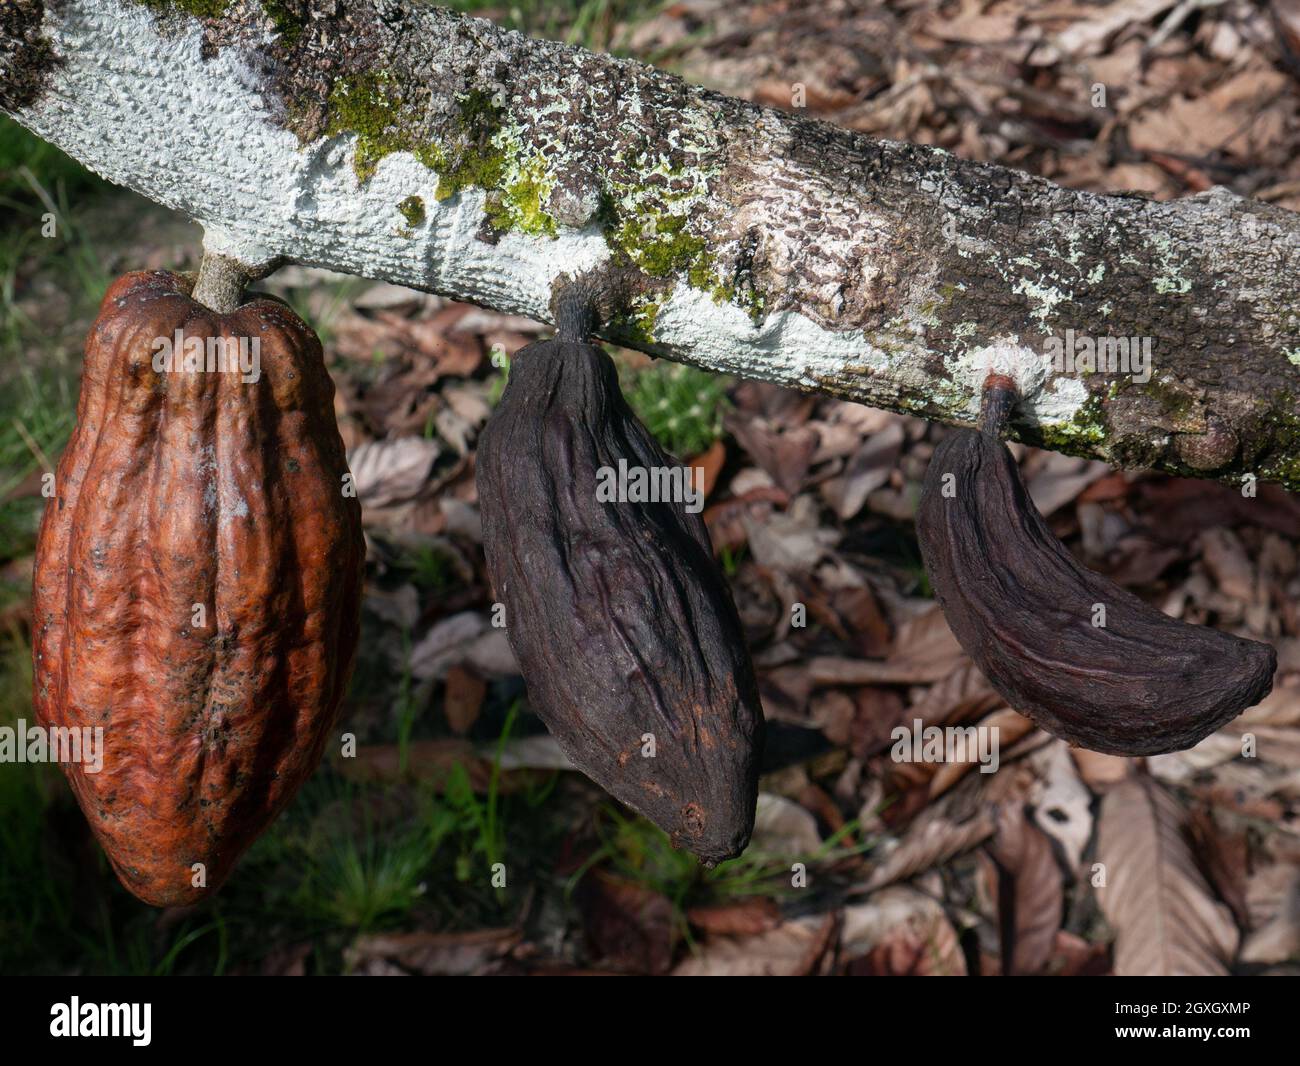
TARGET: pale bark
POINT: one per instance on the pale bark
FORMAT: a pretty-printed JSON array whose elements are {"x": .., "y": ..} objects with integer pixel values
[{"x": 406, "y": 143}]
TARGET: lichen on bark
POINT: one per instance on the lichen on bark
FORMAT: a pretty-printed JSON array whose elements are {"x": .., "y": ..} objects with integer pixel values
[{"x": 517, "y": 137}]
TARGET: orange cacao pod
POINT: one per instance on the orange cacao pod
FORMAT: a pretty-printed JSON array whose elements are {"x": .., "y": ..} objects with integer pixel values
[{"x": 197, "y": 584}]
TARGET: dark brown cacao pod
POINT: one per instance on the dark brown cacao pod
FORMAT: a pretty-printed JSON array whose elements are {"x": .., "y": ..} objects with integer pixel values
[
  {"x": 622, "y": 624},
  {"x": 197, "y": 585},
  {"x": 1141, "y": 683}
]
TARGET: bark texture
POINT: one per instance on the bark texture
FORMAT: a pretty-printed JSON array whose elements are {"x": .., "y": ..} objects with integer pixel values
[{"x": 398, "y": 141}]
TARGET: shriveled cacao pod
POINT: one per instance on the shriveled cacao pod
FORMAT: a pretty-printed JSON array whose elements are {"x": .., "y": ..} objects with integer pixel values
[
  {"x": 622, "y": 624},
  {"x": 197, "y": 585},
  {"x": 1131, "y": 681}
]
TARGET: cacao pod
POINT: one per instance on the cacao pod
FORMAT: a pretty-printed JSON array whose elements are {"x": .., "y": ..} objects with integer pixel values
[
  {"x": 623, "y": 627},
  {"x": 197, "y": 584},
  {"x": 1131, "y": 681}
]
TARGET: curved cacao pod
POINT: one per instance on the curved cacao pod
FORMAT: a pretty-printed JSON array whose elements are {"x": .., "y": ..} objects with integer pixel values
[
  {"x": 1023, "y": 609},
  {"x": 621, "y": 622},
  {"x": 197, "y": 585}
]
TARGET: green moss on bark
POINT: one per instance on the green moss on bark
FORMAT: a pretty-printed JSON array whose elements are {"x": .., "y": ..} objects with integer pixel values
[
  {"x": 412, "y": 209},
  {"x": 370, "y": 106},
  {"x": 1086, "y": 428},
  {"x": 209, "y": 9},
  {"x": 287, "y": 21}
]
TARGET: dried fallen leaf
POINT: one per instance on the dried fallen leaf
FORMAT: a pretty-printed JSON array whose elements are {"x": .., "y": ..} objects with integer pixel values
[
  {"x": 1229, "y": 564},
  {"x": 1058, "y": 479},
  {"x": 964, "y": 694},
  {"x": 1278, "y": 938},
  {"x": 627, "y": 925},
  {"x": 467, "y": 637},
  {"x": 982, "y": 744},
  {"x": 784, "y": 452},
  {"x": 1030, "y": 892},
  {"x": 1286, "y": 19},
  {"x": 782, "y": 827},
  {"x": 1156, "y": 899},
  {"x": 794, "y": 949},
  {"x": 933, "y": 839},
  {"x": 389, "y": 471},
  {"x": 1091, "y": 34},
  {"x": 834, "y": 713},
  {"x": 463, "y": 698},
  {"x": 435, "y": 954},
  {"x": 900, "y": 932},
  {"x": 745, "y": 917},
  {"x": 924, "y": 651},
  {"x": 706, "y": 467},
  {"x": 793, "y": 542},
  {"x": 1072, "y": 956},
  {"x": 1098, "y": 770},
  {"x": 877, "y": 713},
  {"x": 869, "y": 469}
]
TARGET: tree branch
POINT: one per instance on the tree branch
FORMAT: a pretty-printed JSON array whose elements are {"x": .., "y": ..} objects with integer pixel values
[{"x": 393, "y": 140}]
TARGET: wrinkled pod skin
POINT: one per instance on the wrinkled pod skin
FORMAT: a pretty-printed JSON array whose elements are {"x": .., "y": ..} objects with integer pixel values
[
  {"x": 618, "y": 616},
  {"x": 177, "y": 491},
  {"x": 1023, "y": 610}
]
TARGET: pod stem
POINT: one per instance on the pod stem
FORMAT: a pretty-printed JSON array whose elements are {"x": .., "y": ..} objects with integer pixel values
[
  {"x": 576, "y": 315},
  {"x": 220, "y": 283},
  {"x": 998, "y": 400}
]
